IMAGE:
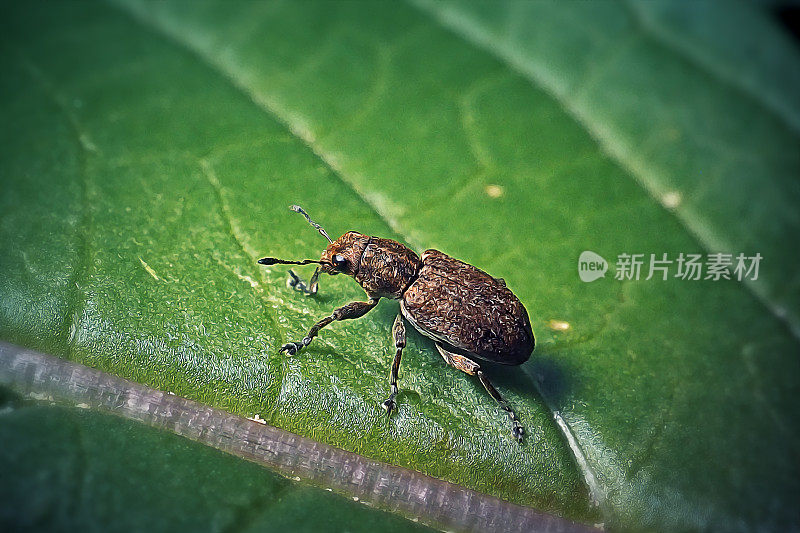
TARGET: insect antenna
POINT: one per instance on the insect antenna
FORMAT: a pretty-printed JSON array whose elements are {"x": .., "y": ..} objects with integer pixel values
[
  {"x": 298, "y": 209},
  {"x": 275, "y": 261}
]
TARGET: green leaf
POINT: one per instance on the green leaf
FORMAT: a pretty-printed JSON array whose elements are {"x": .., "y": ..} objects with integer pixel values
[
  {"x": 77, "y": 470},
  {"x": 155, "y": 149}
]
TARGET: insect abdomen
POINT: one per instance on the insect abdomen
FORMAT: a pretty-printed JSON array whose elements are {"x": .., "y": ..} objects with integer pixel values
[{"x": 463, "y": 306}]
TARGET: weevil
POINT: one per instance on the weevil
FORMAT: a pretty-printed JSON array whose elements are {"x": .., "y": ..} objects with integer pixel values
[{"x": 466, "y": 312}]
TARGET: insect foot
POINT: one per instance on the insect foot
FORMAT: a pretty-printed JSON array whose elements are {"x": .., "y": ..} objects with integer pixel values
[
  {"x": 390, "y": 405},
  {"x": 292, "y": 348},
  {"x": 309, "y": 289},
  {"x": 294, "y": 280},
  {"x": 518, "y": 431}
]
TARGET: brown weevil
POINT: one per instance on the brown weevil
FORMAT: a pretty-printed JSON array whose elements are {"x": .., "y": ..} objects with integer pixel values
[{"x": 468, "y": 313}]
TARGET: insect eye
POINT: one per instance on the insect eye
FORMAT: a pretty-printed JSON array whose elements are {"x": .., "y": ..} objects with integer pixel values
[{"x": 339, "y": 261}]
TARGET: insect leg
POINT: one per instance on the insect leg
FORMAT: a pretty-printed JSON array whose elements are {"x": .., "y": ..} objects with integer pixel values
[
  {"x": 472, "y": 368},
  {"x": 516, "y": 427},
  {"x": 294, "y": 282},
  {"x": 346, "y": 312},
  {"x": 399, "y": 335}
]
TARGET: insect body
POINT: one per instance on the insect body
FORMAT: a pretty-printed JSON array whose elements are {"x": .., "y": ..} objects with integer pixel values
[{"x": 468, "y": 313}]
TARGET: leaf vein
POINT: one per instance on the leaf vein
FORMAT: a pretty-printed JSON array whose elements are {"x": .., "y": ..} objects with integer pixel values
[
  {"x": 294, "y": 123},
  {"x": 77, "y": 302}
]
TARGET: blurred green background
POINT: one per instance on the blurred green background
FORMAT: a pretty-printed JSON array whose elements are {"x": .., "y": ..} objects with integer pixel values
[{"x": 150, "y": 153}]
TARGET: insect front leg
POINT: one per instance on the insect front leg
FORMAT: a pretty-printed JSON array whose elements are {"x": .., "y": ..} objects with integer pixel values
[
  {"x": 399, "y": 336},
  {"x": 472, "y": 368},
  {"x": 294, "y": 282},
  {"x": 346, "y": 312}
]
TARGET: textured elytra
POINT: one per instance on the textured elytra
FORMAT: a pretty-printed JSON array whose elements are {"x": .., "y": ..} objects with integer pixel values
[{"x": 467, "y": 309}]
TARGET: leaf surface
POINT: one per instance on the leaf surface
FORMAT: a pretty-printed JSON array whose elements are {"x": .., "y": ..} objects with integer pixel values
[{"x": 159, "y": 145}]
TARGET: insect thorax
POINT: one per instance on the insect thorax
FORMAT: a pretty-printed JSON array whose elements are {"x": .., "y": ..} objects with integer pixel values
[{"x": 387, "y": 268}]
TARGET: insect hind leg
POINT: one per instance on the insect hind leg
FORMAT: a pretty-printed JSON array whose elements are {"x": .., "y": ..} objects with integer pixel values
[
  {"x": 467, "y": 365},
  {"x": 399, "y": 336}
]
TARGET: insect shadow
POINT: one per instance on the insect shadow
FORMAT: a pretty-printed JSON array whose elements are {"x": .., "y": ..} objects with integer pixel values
[
  {"x": 556, "y": 381},
  {"x": 545, "y": 379}
]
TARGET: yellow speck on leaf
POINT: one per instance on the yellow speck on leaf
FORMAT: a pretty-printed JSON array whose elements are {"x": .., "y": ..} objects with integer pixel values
[
  {"x": 494, "y": 191},
  {"x": 672, "y": 199},
  {"x": 558, "y": 325}
]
